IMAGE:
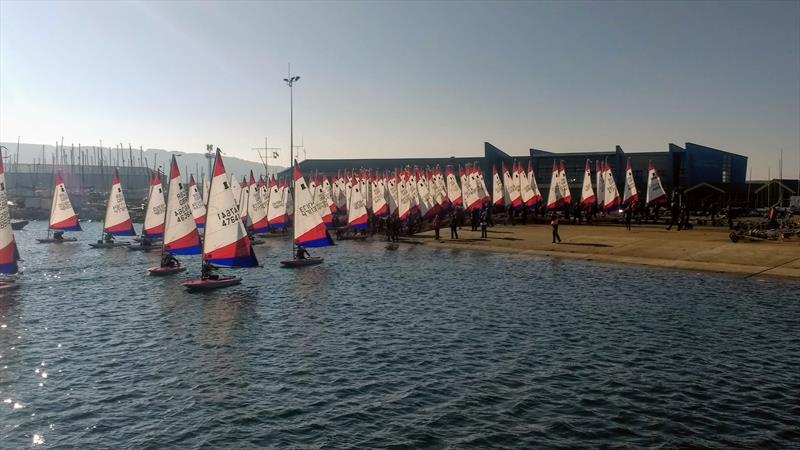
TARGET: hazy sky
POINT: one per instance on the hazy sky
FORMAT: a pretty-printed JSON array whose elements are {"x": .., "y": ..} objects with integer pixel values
[{"x": 382, "y": 79}]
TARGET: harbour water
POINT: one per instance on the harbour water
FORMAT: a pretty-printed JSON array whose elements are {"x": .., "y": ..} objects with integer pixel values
[{"x": 414, "y": 348}]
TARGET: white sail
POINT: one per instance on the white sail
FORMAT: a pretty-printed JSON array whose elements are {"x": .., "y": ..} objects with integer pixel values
[
  {"x": 631, "y": 195},
  {"x": 156, "y": 209},
  {"x": 309, "y": 230},
  {"x": 8, "y": 245},
  {"x": 587, "y": 193},
  {"x": 196, "y": 204},
  {"x": 655, "y": 191},
  {"x": 404, "y": 199},
  {"x": 554, "y": 199},
  {"x": 497, "y": 188},
  {"x": 225, "y": 241},
  {"x": 117, "y": 220},
  {"x": 601, "y": 184},
  {"x": 276, "y": 208},
  {"x": 236, "y": 188},
  {"x": 62, "y": 216},
  {"x": 563, "y": 185},
  {"x": 180, "y": 232},
  {"x": 611, "y": 196}
]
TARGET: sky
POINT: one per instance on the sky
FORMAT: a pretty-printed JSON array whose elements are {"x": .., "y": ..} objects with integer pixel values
[{"x": 406, "y": 79}]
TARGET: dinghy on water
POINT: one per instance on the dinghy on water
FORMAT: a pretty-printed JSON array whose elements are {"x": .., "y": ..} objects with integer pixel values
[
  {"x": 309, "y": 229},
  {"x": 180, "y": 231},
  {"x": 9, "y": 253},
  {"x": 117, "y": 221},
  {"x": 62, "y": 216},
  {"x": 226, "y": 243}
]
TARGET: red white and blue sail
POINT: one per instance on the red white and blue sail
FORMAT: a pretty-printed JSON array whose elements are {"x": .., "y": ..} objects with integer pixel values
[
  {"x": 497, "y": 188},
  {"x": 309, "y": 230},
  {"x": 156, "y": 209},
  {"x": 244, "y": 200},
  {"x": 587, "y": 193},
  {"x": 611, "y": 195},
  {"x": 276, "y": 209},
  {"x": 117, "y": 221},
  {"x": 537, "y": 196},
  {"x": 357, "y": 217},
  {"x": 62, "y": 216},
  {"x": 180, "y": 232},
  {"x": 631, "y": 195},
  {"x": 554, "y": 197},
  {"x": 8, "y": 245},
  {"x": 601, "y": 184},
  {"x": 257, "y": 206},
  {"x": 453, "y": 189},
  {"x": 197, "y": 204},
  {"x": 321, "y": 203},
  {"x": 226, "y": 243}
]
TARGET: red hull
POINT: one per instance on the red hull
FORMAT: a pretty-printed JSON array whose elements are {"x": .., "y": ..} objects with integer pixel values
[
  {"x": 161, "y": 271},
  {"x": 290, "y": 263},
  {"x": 207, "y": 285}
]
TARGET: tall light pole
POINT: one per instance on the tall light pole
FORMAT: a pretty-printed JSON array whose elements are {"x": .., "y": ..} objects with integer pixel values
[{"x": 290, "y": 81}]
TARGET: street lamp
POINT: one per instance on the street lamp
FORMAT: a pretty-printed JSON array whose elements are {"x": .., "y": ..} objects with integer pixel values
[{"x": 290, "y": 81}]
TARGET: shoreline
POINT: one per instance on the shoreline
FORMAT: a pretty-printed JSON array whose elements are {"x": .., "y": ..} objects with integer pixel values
[{"x": 700, "y": 249}]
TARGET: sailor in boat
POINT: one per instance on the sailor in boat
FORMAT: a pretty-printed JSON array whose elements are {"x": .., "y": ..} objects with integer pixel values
[
  {"x": 58, "y": 235},
  {"x": 108, "y": 238},
  {"x": 147, "y": 242},
  {"x": 207, "y": 272},
  {"x": 168, "y": 260},
  {"x": 301, "y": 253}
]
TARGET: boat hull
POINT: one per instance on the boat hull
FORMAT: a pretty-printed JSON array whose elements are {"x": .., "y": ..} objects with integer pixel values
[
  {"x": 6, "y": 286},
  {"x": 293, "y": 263},
  {"x": 163, "y": 271},
  {"x": 209, "y": 285},
  {"x": 56, "y": 241},
  {"x": 110, "y": 245},
  {"x": 18, "y": 225},
  {"x": 143, "y": 248}
]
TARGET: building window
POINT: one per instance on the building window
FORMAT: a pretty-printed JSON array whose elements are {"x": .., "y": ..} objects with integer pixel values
[{"x": 726, "y": 169}]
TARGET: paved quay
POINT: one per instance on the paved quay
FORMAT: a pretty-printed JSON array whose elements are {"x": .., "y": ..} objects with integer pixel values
[{"x": 699, "y": 249}]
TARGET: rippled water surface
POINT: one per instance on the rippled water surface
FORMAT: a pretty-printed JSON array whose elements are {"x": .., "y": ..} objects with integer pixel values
[{"x": 415, "y": 348}]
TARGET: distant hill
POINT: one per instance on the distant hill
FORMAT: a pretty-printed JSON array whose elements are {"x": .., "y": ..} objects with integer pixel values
[{"x": 196, "y": 163}]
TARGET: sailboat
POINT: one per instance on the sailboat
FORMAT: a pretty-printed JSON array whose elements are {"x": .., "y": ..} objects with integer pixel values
[
  {"x": 497, "y": 189},
  {"x": 117, "y": 221},
  {"x": 611, "y": 195},
  {"x": 258, "y": 206},
  {"x": 153, "y": 227},
  {"x": 180, "y": 232},
  {"x": 630, "y": 194},
  {"x": 276, "y": 209},
  {"x": 225, "y": 242},
  {"x": 62, "y": 216},
  {"x": 197, "y": 204},
  {"x": 309, "y": 229},
  {"x": 655, "y": 191},
  {"x": 587, "y": 194},
  {"x": 8, "y": 245}
]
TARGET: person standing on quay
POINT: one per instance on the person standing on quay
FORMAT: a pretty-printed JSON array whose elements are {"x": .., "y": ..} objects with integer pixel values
[
  {"x": 484, "y": 233},
  {"x": 436, "y": 226},
  {"x": 453, "y": 226},
  {"x": 554, "y": 223},
  {"x": 628, "y": 217}
]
